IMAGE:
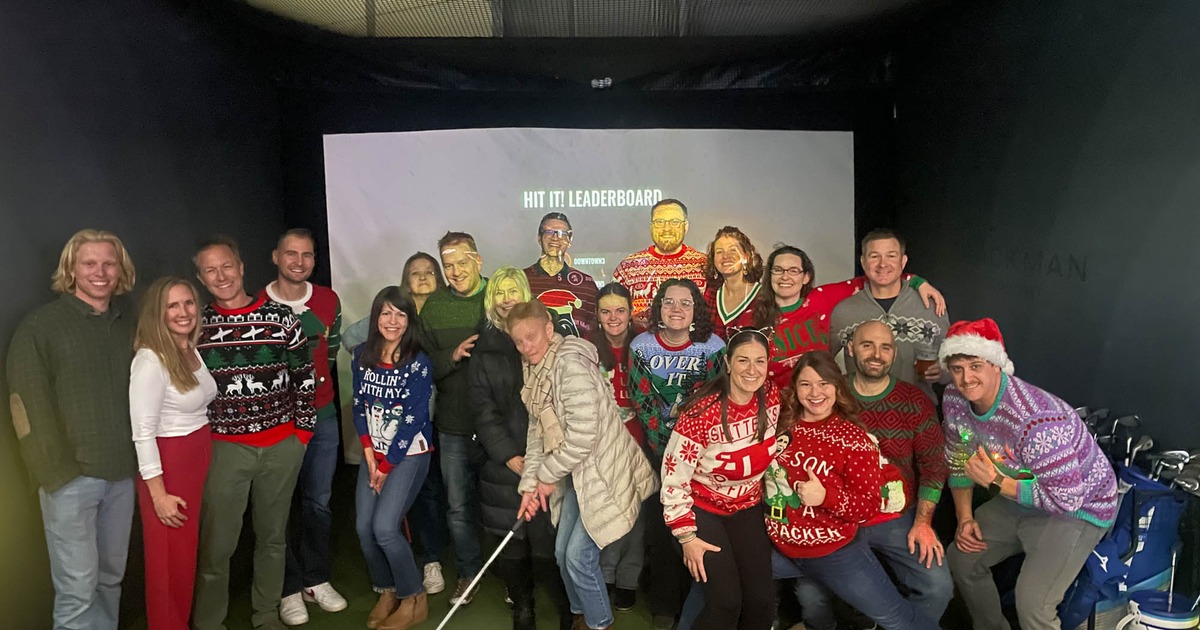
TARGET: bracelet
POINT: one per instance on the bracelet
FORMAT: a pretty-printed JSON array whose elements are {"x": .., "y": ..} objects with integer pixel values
[{"x": 686, "y": 538}]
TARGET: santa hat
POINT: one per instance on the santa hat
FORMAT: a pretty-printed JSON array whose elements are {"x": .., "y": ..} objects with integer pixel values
[{"x": 980, "y": 338}]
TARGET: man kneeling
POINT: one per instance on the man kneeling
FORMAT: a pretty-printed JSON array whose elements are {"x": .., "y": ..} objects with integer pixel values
[{"x": 1056, "y": 493}]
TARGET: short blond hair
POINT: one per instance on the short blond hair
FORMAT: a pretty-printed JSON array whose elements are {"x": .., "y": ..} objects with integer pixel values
[
  {"x": 532, "y": 310},
  {"x": 63, "y": 280},
  {"x": 489, "y": 300}
]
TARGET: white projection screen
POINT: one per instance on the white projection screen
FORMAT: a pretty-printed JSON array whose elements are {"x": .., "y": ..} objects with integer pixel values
[{"x": 392, "y": 194}]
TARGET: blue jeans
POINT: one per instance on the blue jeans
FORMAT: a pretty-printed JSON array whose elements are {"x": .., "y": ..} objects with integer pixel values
[
  {"x": 579, "y": 562},
  {"x": 389, "y": 557},
  {"x": 427, "y": 518},
  {"x": 931, "y": 589},
  {"x": 87, "y": 525},
  {"x": 307, "y": 555},
  {"x": 461, "y": 476},
  {"x": 855, "y": 575}
]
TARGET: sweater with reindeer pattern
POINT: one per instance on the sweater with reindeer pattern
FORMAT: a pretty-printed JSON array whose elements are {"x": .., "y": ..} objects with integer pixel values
[
  {"x": 846, "y": 461},
  {"x": 259, "y": 357}
]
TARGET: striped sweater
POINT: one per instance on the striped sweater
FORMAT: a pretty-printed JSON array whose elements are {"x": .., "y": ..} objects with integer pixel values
[{"x": 1037, "y": 439}]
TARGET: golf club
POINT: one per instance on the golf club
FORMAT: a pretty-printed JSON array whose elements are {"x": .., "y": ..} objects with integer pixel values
[{"x": 471, "y": 587}]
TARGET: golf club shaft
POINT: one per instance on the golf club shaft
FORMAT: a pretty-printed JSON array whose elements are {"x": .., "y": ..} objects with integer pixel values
[{"x": 478, "y": 576}]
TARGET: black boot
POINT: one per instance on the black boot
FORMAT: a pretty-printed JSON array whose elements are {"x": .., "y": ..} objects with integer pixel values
[
  {"x": 518, "y": 579},
  {"x": 549, "y": 575}
]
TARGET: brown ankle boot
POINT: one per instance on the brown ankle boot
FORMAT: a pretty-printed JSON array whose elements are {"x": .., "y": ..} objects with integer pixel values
[
  {"x": 420, "y": 608},
  {"x": 383, "y": 608},
  {"x": 402, "y": 619}
]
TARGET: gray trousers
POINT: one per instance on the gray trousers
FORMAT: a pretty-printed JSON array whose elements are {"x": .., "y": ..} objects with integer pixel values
[{"x": 1055, "y": 549}]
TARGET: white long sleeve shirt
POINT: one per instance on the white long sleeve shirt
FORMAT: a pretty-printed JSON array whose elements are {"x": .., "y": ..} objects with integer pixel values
[{"x": 157, "y": 409}]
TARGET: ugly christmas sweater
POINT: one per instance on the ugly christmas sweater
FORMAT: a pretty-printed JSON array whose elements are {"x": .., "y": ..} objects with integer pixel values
[
  {"x": 706, "y": 469},
  {"x": 1039, "y": 440},
  {"x": 391, "y": 408},
  {"x": 642, "y": 272},
  {"x": 661, "y": 376},
  {"x": 258, "y": 355},
  {"x": 320, "y": 315},
  {"x": 905, "y": 422},
  {"x": 741, "y": 316},
  {"x": 846, "y": 461}
]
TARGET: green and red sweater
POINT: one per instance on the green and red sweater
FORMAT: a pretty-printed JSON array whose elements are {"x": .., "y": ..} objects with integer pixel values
[
  {"x": 661, "y": 376},
  {"x": 320, "y": 314},
  {"x": 259, "y": 357},
  {"x": 905, "y": 422}
]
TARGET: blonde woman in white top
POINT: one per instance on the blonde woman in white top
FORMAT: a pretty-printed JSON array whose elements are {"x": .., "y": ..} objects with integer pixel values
[{"x": 169, "y": 392}]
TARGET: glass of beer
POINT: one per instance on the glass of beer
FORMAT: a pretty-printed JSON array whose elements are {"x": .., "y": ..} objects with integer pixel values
[{"x": 926, "y": 357}]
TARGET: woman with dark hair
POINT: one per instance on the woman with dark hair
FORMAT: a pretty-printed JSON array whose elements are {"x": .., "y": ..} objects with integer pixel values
[
  {"x": 393, "y": 380},
  {"x": 734, "y": 270},
  {"x": 621, "y": 561},
  {"x": 169, "y": 392},
  {"x": 799, "y": 313},
  {"x": 502, "y": 426},
  {"x": 422, "y": 275},
  {"x": 712, "y": 487},
  {"x": 667, "y": 363},
  {"x": 824, "y": 481}
]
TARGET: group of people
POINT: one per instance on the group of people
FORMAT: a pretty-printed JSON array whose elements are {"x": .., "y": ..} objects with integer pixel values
[{"x": 689, "y": 420}]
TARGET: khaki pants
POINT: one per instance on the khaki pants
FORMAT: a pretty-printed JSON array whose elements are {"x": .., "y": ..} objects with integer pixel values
[
  {"x": 266, "y": 477},
  {"x": 1055, "y": 549}
]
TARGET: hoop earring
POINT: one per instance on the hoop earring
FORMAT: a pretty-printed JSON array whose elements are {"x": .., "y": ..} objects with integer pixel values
[{"x": 662, "y": 325}]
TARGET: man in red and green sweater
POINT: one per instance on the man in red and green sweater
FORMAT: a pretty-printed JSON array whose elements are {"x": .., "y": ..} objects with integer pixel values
[
  {"x": 642, "y": 272},
  {"x": 261, "y": 419},
  {"x": 306, "y": 576},
  {"x": 904, "y": 421}
]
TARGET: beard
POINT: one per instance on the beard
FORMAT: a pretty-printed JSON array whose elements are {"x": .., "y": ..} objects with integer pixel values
[{"x": 872, "y": 369}]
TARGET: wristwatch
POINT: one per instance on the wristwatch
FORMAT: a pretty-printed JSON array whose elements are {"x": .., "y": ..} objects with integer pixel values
[{"x": 997, "y": 482}]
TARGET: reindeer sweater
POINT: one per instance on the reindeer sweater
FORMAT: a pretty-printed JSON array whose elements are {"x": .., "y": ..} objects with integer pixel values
[
  {"x": 707, "y": 470},
  {"x": 846, "y": 461},
  {"x": 258, "y": 355}
]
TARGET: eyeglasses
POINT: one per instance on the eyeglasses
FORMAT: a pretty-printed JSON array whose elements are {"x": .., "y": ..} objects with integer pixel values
[
  {"x": 672, "y": 303},
  {"x": 667, "y": 222},
  {"x": 791, "y": 271},
  {"x": 559, "y": 234}
]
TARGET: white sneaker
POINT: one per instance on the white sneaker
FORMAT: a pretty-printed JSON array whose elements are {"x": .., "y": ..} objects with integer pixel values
[
  {"x": 325, "y": 596},
  {"x": 292, "y": 611},
  {"x": 434, "y": 582}
]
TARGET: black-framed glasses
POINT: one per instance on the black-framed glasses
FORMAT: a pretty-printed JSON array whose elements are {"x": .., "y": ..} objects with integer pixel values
[
  {"x": 791, "y": 271},
  {"x": 559, "y": 234}
]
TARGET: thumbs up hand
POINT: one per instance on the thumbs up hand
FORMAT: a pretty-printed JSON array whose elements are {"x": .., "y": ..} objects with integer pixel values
[{"x": 811, "y": 491}]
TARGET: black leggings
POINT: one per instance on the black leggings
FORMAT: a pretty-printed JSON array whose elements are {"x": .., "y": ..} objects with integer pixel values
[
  {"x": 667, "y": 577},
  {"x": 740, "y": 591}
]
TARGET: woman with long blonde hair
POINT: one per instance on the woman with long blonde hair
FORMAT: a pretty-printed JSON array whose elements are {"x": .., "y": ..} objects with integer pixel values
[{"x": 169, "y": 392}]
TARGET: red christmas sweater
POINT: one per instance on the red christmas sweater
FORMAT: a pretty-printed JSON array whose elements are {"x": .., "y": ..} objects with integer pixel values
[
  {"x": 320, "y": 315},
  {"x": 846, "y": 461},
  {"x": 619, "y": 376},
  {"x": 722, "y": 320},
  {"x": 705, "y": 469},
  {"x": 641, "y": 273}
]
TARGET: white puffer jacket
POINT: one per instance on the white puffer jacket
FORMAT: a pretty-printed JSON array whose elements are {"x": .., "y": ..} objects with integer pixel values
[{"x": 610, "y": 473}]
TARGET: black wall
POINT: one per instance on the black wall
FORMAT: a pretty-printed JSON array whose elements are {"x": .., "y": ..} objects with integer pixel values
[
  {"x": 130, "y": 116},
  {"x": 1049, "y": 177}
]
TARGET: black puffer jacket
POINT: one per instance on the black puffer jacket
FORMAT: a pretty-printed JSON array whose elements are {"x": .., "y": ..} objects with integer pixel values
[{"x": 501, "y": 424}]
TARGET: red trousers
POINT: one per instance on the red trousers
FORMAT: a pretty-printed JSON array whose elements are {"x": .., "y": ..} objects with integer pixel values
[{"x": 171, "y": 551}]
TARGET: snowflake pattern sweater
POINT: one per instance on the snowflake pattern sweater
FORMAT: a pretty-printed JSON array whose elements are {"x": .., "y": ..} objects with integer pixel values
[
  {"x": 259, "y": 357},
  {"x": 661, "y": 376},
  {"x": 643, "y": 271},
  {"x": 705, "y": 469},
  {"x": 905, "y": 423},
  {"x": 846, "y": 460},
  {"x": 320, "y": 315},
  {"x": 391, "y": 408},
  {"x": 1037, "y": 439}
]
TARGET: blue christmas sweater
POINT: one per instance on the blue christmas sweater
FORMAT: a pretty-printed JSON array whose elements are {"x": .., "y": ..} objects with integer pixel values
[
  {"x": 661, "y": 376},
  {"x": 391, "y": 408}
]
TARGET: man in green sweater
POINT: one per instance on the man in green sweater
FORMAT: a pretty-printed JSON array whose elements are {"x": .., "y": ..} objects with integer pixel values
[
  {"x": 448, "y": 329},
  {"x": 68, "y": 381}
]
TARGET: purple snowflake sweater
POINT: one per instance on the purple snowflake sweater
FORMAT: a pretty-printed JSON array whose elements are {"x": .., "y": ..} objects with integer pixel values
[{"x": 1038, "y": 439}]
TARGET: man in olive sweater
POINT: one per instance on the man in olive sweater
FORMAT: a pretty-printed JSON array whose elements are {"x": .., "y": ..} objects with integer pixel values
[
  {"x": 68, "y": 380},
  {"x": 448, "y": 329}
]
